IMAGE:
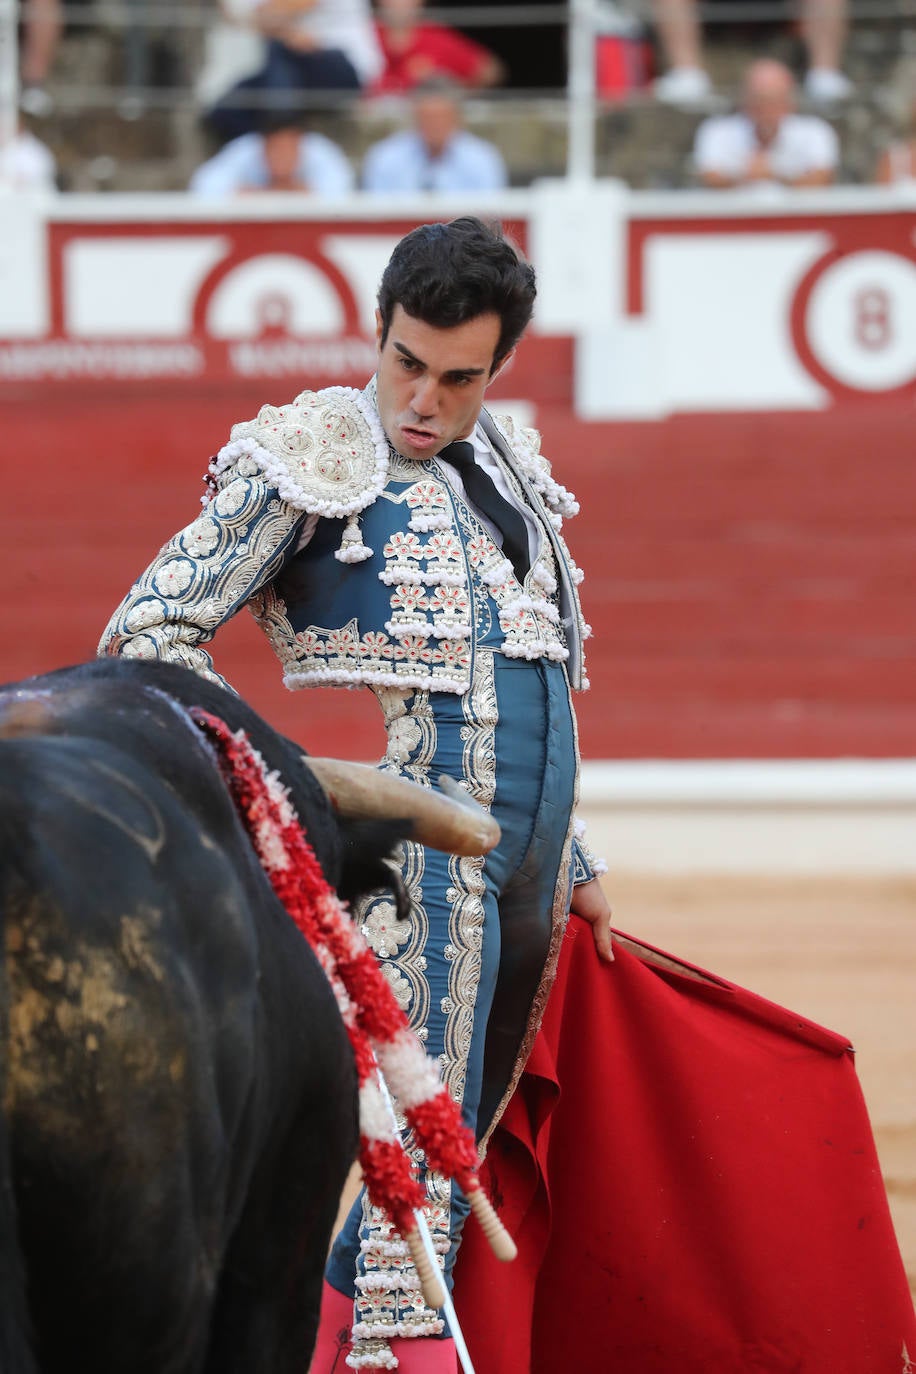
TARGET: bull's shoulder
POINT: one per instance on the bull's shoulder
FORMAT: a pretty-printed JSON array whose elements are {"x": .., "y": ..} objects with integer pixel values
[{"x": 325, "y": 452}]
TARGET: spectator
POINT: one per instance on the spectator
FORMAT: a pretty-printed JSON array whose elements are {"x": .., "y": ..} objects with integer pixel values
[
  {"x": 766, "y": 142},
  {"x": 27, "y": 164},
  {"x": 39, "y": 36},
  {"x": 687, "y": 82},
  {"x": 282, "y": 156},
  {"x": 312, "y": 45},
  {"x": 416, "y": 51},
  {"x": 898, "y": 161},
  {"x": 437, "y": 153}
]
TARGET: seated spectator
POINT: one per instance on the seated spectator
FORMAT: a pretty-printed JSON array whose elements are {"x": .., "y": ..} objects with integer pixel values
[
  {"x": 437, "y": 153},
  {"x": 27, "y": 164},
  {"x": 766, "y": 141},
  {"x": 898, "y": 161},
  {"x": 39, "y": 36},
  {"x": 687, "y": 82},
  {"x": 312, "y": 45},
  {"x": 416, "y": 51},
  {"x": 282, "y": 156}
]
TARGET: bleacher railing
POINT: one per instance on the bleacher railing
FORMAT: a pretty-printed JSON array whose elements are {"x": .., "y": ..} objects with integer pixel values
[{"x": 139, "y": 21}]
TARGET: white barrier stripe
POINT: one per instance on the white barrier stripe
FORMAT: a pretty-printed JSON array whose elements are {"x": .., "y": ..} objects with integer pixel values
[{"x": 749, "y": 782}]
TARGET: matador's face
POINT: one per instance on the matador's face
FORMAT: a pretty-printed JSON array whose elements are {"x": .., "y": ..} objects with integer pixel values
[{"x": 431, "y": 380}]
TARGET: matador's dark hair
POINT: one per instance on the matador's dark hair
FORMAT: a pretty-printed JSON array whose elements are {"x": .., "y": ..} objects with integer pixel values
[{"x": 446, "y": 274}]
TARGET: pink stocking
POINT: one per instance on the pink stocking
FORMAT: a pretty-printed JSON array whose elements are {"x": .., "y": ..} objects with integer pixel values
[
  {"x": 333, "y": 1343},
  {"x": 424, "y": 1355}
]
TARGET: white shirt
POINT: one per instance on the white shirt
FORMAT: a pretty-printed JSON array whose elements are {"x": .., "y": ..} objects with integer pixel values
[
  {"x": 402, "y": 162},
  {"x": 803, "y": 143},
  {"x": 486, "y": 459},
  {"x": 349, "y": 26},
  {"x": 346, "y": 25},
  {"x": 323, "y": 167},
  {"x": 27, "y": 165}
]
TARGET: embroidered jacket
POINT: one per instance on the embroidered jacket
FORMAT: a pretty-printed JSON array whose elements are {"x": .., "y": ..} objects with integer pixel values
[
  {"x": 397, "y": 611},
  {"x": 400, "y": 609}
]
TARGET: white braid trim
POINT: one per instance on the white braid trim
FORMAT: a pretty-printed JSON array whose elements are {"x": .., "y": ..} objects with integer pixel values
[
  {"x": 537, "y": 648},
  {"x": 364, "y": 677},
  {"x": 444, "y": 577},
  {"x": 543, "y": 577},
  {"x": 498, "y": 574},
  {"x": 379, "y": 1359},
  {"x": 390, "y": 1249},
  {"x": 401, "y": 573},
  {"x": 367, "y": 1331},
  {"x": 382, "y": 1281},
  {"x": 277, "y": 475},
  {"x": 400, "y": 629},
  {"x": 560, "y": 498},
  {"x": 517, "y": 604},
  {"x": 423, "y": 523}
]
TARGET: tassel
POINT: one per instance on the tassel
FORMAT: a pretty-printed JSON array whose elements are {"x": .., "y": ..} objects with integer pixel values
[{"x": 352, "y": 549}]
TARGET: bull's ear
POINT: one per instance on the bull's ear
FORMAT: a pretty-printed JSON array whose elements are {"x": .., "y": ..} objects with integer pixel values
[{"x": 439, "y": 821}]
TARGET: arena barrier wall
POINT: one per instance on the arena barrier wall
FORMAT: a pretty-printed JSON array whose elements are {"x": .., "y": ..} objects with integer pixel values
[
  {"x": 672, "y": 302},
  {"x": 727, "y": 382}
]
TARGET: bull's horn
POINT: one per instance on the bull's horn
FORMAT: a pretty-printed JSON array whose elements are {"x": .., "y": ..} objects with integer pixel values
[{"x": 359, "y": 791}]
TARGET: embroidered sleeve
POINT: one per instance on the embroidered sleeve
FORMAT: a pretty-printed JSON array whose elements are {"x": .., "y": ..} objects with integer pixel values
[
  {"x": 202, "y": 576},
  {"x": 586, "y": 865}
]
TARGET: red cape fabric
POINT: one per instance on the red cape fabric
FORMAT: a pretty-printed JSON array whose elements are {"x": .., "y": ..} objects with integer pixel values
[{"x": 691, "y": 1178}]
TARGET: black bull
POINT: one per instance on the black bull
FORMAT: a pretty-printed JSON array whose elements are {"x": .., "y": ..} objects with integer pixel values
[{"x": 178, "y": 1092}]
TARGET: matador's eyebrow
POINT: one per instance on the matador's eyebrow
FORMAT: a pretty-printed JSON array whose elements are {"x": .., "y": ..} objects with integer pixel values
[{"x": 452, "y": 372}]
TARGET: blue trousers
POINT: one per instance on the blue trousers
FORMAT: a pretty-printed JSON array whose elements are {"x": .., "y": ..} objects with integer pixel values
[{"x": 468, "y": 966}]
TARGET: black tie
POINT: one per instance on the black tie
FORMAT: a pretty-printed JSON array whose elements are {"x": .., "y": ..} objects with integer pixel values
[{"x": 482, "y": 493}]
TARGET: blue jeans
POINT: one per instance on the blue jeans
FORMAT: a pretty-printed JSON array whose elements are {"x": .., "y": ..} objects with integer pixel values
[{"x": 279, "y": 86}]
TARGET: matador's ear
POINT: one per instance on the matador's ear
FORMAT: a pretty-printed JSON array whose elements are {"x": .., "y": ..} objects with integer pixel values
[{"x": 503, "y": 362}]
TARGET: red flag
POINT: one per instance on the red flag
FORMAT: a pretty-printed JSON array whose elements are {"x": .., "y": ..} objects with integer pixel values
[{"x": 690, "y": 1174}]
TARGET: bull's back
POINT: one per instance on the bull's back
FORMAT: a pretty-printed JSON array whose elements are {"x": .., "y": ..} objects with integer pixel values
[{"x": 142, "y": 1077}]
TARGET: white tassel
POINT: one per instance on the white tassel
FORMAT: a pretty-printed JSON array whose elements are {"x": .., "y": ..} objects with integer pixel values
[{"x": 352, "y": 549}]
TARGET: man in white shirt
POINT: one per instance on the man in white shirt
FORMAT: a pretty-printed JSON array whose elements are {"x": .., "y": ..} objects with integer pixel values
[
  {"x": 437, "y": 153},
  {"x": 281, "y": 157},
  {"x": 27, "y": 164},
  {"x": 313, "y": 46},
  {"x": 823, "y": 27},
  {"x": 766, "y": 142}
]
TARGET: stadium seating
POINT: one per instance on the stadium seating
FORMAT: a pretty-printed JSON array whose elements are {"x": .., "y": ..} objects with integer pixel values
[{"x": 110, "y": 135}]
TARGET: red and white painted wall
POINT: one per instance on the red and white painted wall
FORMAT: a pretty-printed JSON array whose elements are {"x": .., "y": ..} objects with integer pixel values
[{"x": 727, "y": 383}]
